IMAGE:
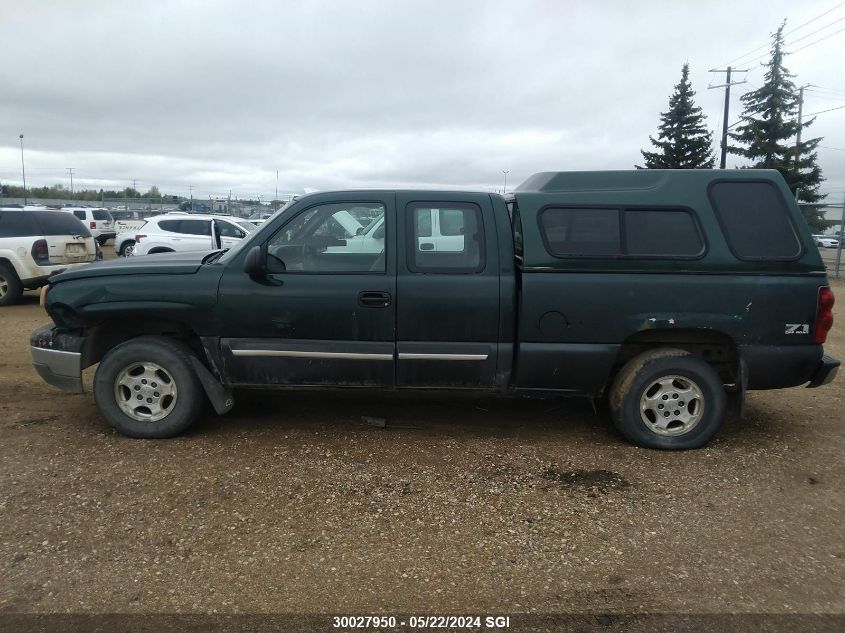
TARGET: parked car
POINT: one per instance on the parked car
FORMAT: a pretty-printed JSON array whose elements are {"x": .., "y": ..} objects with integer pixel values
[
  {"x": 182, "y": 232},
  {"x": 826, "y": 241},
  {"x": 258, "y": 218},
  {"x": 37, "y": 244},
  {"x": 99, "y": 221},
  {"x": 663, "y": 291}
]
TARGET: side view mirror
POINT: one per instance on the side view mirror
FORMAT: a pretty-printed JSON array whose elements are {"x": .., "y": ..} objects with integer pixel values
[
  {"x": 359, "y": 230},
  {"x": 254, "y": 262}
]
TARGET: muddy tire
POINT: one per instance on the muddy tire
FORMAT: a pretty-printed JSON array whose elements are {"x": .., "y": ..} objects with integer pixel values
[
  {"x": 668, "y": 399},
  {"x": 10, "y": 286},
  {"x": 147, "y": 387}
]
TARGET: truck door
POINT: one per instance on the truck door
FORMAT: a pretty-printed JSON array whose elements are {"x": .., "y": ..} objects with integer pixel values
[
  {"x": 322, "y": 314},
  {"x": 447, "y": 320}
]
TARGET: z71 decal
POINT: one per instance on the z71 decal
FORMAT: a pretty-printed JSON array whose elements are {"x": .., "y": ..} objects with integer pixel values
[{"x": 797, "y": 328}]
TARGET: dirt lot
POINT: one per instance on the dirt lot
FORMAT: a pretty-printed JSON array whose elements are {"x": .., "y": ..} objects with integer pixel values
[{"x": 291, "y": 503}]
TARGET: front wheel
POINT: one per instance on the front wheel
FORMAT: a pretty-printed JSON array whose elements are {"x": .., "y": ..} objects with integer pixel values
[
  {"x": 669, "y": 399},
  {"x": 146, "y": 387}
]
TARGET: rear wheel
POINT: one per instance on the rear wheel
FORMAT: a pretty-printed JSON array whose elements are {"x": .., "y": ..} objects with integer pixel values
[
  {"x": 127, "y": 248},
  {"x": 668, "y": 398},
  {"x": 146, "y": 387},
  {"x": 10, "y": 286}
]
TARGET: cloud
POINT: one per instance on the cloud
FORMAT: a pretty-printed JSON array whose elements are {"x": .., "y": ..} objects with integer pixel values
[{"x": 219, "y": 95}]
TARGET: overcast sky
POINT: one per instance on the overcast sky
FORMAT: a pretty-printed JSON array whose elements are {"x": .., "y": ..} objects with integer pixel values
[{"x": 219, "y": 95}]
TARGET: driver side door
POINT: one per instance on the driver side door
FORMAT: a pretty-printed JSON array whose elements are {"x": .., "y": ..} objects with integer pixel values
[{"x": 320, "y": 314}]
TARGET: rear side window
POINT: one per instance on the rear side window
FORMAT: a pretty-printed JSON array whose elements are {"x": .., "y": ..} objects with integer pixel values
[
  {"x": 80, "y": 214},
  {"x": 195, "y": 227},
  {"x": 60, "y": 223},
  {"x": 171, "y": 226},
  {"x": 18, "y": 224},
  {"x": 661, "y": 233},
  {"x": 447, "y": 237},
  {"x": 102, "y": 214},
  {"x": 581, "y": 232},
  {"x": 755, "y": 220}
]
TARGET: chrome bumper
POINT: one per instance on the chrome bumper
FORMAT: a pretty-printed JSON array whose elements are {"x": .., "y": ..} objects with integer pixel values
[{"x": 61, "y": 368}]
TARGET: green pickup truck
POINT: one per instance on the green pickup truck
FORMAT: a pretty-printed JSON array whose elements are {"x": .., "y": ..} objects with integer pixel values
[{"x": 661, "y": 290}]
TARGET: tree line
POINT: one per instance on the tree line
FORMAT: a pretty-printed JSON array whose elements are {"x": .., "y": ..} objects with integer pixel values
[
  {"x": 765, "y": 135},
  {"x": 59, "y": 192}
]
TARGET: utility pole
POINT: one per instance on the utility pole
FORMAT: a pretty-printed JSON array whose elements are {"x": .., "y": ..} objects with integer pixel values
[
  {"x": 23, "y": 172},
  {"x": 277, "y": 183},
  {"x": 798, "y": 134},
  {"x": 727, "y": 86},
  {"x": 841, "y": 237},
  {"x": 191, "y": 191},
  {"x": 505, "y": 188},
  {"x": 70, "y": 171},
  {"x": 229, "y": 202}
]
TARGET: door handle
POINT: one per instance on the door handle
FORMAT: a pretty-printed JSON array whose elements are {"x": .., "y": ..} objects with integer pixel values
[
  {"x": 373, "y": 299},
  {"x": 426, "y": 246}
]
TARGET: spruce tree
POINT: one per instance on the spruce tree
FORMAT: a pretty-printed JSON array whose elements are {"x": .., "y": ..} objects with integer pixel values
[
  {"x": 770, "y": 126},
  {"x": 683, "y": 140}
]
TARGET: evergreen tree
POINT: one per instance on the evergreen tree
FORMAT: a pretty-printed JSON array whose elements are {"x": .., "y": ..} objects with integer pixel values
[
  {"x": 683, "y": 140},
  {"x": 770, "y": 126}
]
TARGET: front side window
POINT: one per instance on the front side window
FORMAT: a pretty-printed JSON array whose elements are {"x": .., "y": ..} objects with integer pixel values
[
  {"x": 330, "y": 238},
  {"x": 224, "y": 229},
  {"x": 445, "y": 237}
]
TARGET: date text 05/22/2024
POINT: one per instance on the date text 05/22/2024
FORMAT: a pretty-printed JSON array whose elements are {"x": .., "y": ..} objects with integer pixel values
[{"x": 422, "y": 621}]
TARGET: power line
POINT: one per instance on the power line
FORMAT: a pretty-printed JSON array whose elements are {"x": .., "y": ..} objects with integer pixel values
[
  {"x": 797, "y": 28},
  {"x": 821, "y": 39},
  {"x": 828, "y": 110},
  {"x": 787, "y": 44},
  {"x": 826, "y": 26},
  {"x": 838, "y": 149}
]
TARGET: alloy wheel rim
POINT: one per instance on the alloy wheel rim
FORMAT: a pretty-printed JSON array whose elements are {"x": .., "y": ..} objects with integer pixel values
[
  {"x": 672, "y": 405},
  {"x": 145, "y": 391},
  {"x": 4, "y": 286}
]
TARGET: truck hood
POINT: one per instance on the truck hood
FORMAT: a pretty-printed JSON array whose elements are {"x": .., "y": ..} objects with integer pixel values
[{"x": 159, "y": 264}]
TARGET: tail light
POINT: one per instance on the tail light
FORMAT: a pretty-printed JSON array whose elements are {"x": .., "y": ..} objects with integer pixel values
[
  {"x": 93, "y": 224},
  {"x": 40, "y": 252},
  {"x": 138, "y": 238},
  {"x": 824, "y": 315}
]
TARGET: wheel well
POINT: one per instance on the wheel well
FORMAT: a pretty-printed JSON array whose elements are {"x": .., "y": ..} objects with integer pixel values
[
  {"x": 3, "y": 260},
  {"x": 102, "y": 338},
  {"x": 716, "y": 348}
]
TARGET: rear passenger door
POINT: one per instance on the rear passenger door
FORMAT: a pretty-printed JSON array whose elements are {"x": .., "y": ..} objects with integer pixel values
[{"x": 448, "y": 292}]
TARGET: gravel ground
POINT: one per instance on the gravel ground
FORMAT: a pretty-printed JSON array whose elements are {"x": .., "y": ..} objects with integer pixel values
[{"x": 291, "y": 503}]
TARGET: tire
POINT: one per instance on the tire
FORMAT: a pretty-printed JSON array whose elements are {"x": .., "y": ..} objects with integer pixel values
[
  {"x": 127, "y": 248},
  {"x": 159, "y": 367},
  {"x": 10, "y": 286},
  {"x": 668, "y": 381}
]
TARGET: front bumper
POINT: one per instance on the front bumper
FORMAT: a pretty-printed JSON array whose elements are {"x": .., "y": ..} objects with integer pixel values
[
  {"x": 58, "y": 358},
  {"x": 825, "y": 372}
]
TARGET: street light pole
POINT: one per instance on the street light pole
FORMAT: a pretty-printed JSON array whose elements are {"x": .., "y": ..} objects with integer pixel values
[
  {"x": 23, "y": 171},
  {"x": 505, "y": 172}
]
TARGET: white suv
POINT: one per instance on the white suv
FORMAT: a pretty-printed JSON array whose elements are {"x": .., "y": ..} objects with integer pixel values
[
  {"x": 189, "y": 232},
  {"x": 36, "y": 244},
  {"x": 97, "y": 220}
]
